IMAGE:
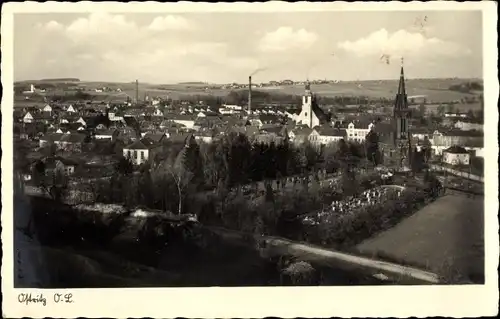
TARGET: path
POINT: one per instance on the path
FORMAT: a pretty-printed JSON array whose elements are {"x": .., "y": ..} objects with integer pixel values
[
  {"x": 276, "y": 246},
  {"x": 446, "y": 235}
]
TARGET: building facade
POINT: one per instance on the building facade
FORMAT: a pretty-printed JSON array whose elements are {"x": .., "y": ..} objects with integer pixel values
[{"x": 310, "y": 115}]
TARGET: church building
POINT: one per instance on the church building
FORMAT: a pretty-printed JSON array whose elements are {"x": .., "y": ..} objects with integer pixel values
[
  {"x": 311, "y": 114},
  {"x": 397, "y": 146}
]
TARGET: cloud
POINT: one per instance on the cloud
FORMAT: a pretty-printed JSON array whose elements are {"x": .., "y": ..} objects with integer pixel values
[
  {"x": 285, "y": 38},
  {"x": 53, "y": 26},
  {"x": 401, "y": 43},
  {"x": 170, "y": 22},
  {"x": 100, "y": 23}
]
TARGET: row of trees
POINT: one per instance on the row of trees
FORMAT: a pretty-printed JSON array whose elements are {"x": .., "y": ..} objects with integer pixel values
[{"x": 226, "y": 165}]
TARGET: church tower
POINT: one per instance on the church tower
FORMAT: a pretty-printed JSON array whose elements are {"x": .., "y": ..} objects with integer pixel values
[
  {"x": 307, "y": 101},
  {"x": 401, "y": 116}
]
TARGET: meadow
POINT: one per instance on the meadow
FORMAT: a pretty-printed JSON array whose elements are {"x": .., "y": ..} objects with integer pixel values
[
  {"x": 433, "y": 238},
  {"x": 433, "y": 90}
]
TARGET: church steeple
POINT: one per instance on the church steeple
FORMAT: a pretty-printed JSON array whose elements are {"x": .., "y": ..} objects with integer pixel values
[
  {"x": 401, "y": 102},
  {"x": 308, "y": 87},
  {"x": 401, "y": 120}
]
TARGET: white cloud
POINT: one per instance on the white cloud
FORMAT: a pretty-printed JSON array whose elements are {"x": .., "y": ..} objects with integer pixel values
[
  {"x": 53, "y": 26},
  {"x": 100, "y": 22},
  {"x": 401, "y": 43},
  {"x": 170, "y": 22},
  {"x": 285, "y": 38}
]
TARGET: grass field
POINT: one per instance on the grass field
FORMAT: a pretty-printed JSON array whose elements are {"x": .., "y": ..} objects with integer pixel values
[
  {"x": 446, "y": 237},
  {"x": 434, "y": 90}
]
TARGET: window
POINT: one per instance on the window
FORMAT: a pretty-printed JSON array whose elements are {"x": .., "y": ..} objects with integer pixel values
[
  {"x": 129, "y": 154},
  {"x": 305, "y": 114},
  {"x": 135, "y": 154},
  {"x": 142, "y": 155}
]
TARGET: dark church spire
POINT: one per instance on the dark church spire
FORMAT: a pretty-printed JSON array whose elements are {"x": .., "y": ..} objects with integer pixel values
[{"x": 401, "y": 102}]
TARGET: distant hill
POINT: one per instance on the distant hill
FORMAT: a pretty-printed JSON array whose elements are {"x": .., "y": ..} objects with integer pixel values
[
  {"x": 55, "y": 80},
  {"x": 196, "y": 83},
  {"x": 60, "y": 80}
]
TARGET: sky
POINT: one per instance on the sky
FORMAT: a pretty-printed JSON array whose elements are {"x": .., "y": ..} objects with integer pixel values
[{"x": 227, "y": 47}]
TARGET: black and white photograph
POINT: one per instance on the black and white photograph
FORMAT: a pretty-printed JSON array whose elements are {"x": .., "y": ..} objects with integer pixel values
[{"x": 244, "y": 149}]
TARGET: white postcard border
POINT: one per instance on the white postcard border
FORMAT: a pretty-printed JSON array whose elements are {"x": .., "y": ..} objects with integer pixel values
[{"x": 286, "y": 302}]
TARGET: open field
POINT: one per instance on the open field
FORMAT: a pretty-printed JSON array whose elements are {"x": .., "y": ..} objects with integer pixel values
[
  {"x": 446, "y": 237},
  {"x": 434, "y": 90}
]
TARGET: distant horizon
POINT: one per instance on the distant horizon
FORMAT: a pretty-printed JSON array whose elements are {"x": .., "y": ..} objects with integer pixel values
[{"x": 243, "y": 83}]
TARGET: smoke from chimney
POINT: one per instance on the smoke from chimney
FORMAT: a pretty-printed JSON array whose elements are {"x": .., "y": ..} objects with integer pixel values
[{"x": 249, "y": 94}]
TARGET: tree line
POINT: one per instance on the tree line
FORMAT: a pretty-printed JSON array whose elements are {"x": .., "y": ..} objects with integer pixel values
[{"x": 173, "y": 177}]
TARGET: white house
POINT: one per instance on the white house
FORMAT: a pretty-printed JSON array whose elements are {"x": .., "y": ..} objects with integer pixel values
[
  {"x": 233, "y": 107},
  {"x": 106, "y": 135},
  {"x": 186, "y": 120},
  {"x": 71, "y": 109},
  {"x": 81, "y": 121},
  {"x": 28, "y": 118},
  {"x": 114, "y": 118},
  {"x": 456, "y": 155},
  {"x": 358, "y": 134},
  {"x": 141, "y": 151},
  {"x": 468, "y": 125},
  {"x": 47, "y": 108},
  {"x": 323, "y": 135},
  {"x": 453, "y": 114}
]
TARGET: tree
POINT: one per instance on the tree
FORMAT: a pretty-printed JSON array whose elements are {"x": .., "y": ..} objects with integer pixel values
[
  {"x": 427, "y": 148},
  {"x": 440, "y": 110},
  {"x": 450, "y": 108},
  {"x": 372, "y": 147},
  {"x": 470, "y": 114},
  {"x": 124, "y": 166},
  {"x": 330, "y": 162},
  {"x": 300, "y": 273},
  {"x": 422, "y": 110},
  {"x": 417, "y": 161}
]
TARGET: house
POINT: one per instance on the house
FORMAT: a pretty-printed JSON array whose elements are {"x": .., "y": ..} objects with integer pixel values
[
  {"x": 60, "y": 164},
  {"x": 420, "y": 133},
  {"x": 71, "y": 109},
  {"x": 106, "y": 134},
  {"x": 65, "y": 141},
  {"x": 456, "y": 155},
  {"x": 325, "y": 134},
  {"x": 141, "y": 151},
  {"x": 311, "y": 114},
  {"x": 81, "y": 121},
  {"x": 454, "y": 114},
  {"x": 156, "y": 137},
  {"x": 205, "y": 136},
  {"x": 468, "y": 125},
  {"x": 47, "y": 108},
  {"x": 115, "y": 117},
  {"x": 470, "y": 140},
  {"x": 300, "y": 135},
  {"x": 28, "y": 118},
  {"x": 186, "y": 120},
  {"x": 358, "y": 134}
]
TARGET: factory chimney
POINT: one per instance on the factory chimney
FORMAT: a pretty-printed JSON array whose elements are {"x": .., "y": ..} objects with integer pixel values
[
  {"x": 136, "y": 91},
  {"x": 249, "y": 95}
]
